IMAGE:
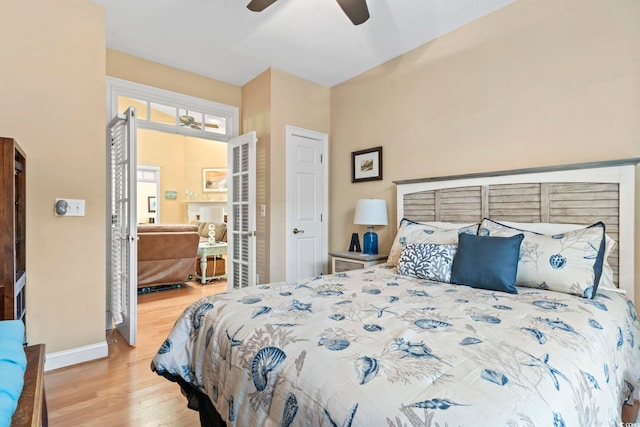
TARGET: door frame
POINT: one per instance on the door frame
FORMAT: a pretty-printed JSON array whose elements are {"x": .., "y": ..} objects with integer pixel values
[
  {"x": 117, "y": 87},
  {"x": 323, "y": 139}
]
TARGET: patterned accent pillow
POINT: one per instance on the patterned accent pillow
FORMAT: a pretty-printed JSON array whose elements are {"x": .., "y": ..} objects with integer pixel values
[
  {"x": 415, "y": 232},
  {"x": 569, "y": 262},
  {"x": 557, "y": 228},
  {"x": 427, "y": 261}
]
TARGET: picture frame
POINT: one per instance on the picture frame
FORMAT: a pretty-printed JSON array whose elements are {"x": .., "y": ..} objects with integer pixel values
[
  {"x": 366, "y": 165},
  {"x": 151, "y": 204},
  {"x": 214, "y": 180}
]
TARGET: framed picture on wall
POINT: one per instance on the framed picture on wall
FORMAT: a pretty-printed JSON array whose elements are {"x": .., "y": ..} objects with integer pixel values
[
  {"x": 366, "y": 165},
  {"x": 214, "y": 180}
]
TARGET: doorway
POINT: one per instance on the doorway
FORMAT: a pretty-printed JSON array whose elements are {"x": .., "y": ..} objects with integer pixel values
[
  {"x": 148, "y": 194},
  {"x": 169, "y": 120},
  {"x": 307, "y": 203}
]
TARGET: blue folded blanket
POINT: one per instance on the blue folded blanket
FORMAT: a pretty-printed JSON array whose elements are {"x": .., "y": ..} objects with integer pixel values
[{"x": 13, "y": 363}]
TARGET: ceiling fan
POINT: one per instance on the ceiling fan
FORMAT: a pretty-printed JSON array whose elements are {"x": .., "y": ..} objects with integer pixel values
[
  {"x": 356, "y": 10},
  {"x": 190, "y": 121}
]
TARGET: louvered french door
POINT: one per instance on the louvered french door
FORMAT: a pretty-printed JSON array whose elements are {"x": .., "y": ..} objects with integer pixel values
[
  {"x": 122, "y": 237},
  {"x": 241, "y": 212}
]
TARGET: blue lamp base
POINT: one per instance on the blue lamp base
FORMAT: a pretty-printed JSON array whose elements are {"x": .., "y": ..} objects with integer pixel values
[{"x": 370, "y": 242}]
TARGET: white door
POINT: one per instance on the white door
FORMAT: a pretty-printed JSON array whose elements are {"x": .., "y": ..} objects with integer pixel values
[
  {"x": 307, "y": 201},
  {"x": 122, "y": 246},
  {"x": 241, "y": 211}
]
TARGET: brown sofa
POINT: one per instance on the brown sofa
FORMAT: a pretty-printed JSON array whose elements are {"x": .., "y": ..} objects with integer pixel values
[{"x": 166, "y": 253}]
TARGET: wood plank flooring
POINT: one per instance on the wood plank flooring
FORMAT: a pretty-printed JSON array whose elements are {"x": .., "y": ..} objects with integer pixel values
[{"x": 121, "y": 390}]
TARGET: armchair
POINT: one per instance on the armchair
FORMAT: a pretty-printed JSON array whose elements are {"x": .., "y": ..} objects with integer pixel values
[{"x": 166, "y": 253}]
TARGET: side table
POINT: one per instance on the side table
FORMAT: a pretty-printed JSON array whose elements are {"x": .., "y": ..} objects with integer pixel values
[
  {"x": 347, "y": 261},
  {"x": 210, "y": 249}
]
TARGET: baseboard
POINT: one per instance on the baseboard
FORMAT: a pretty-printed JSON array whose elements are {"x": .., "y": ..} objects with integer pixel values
[{"x": 76, "y": 355}]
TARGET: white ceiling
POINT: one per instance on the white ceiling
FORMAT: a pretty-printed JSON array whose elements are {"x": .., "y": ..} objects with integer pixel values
[{"x": 311, "y": 39}]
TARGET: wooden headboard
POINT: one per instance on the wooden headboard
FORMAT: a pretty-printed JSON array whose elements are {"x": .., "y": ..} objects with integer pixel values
[{"x": 571, "y": 194}]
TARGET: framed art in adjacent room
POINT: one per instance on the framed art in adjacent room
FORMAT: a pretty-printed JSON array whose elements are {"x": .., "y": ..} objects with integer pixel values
[
  {"x": 366, "y": 165},
  {"x": 214, "y": 180}
]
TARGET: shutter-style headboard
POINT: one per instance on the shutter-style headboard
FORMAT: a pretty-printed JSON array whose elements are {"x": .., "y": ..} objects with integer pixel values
[{"x": 572, "y": 194}]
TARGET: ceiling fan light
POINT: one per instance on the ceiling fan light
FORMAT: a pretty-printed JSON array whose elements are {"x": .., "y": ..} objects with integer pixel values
[{"x": 187, "y": 120}]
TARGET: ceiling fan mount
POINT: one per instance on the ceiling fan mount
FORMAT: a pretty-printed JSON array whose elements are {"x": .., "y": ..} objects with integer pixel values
[{"x": 356, "y": 10}]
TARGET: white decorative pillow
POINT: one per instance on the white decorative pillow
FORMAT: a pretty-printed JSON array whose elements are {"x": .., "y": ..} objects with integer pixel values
[
  {"x": 569, "y": 262},
  {"x": 416, "y": 232},
  {"x": 556, "y": 228},
  {"x": 427, "y": 261}
]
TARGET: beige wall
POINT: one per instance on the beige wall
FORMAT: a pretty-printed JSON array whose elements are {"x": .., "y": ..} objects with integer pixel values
[
  {"x": 52, "y": 100},
  {"x": 537, "y": 83},
  {"x": 166, "y": 151},
  {"x": 200, "y": 154},
  {"x": 138, "y": 70},
  {"x": 300, "y": 103},
  {"x": 181, "y": 160}
]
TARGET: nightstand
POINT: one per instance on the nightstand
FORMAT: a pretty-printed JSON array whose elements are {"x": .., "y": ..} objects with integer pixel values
[{"x": 347, "y": 261}]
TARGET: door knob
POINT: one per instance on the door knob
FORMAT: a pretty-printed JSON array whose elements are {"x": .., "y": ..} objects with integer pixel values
[{"x": 296, "y": 231}]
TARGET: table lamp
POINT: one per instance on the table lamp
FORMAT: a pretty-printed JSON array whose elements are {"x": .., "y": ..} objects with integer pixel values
[
  {"x": 213, "y": 216},
  {"x": 370, "y": 212}
]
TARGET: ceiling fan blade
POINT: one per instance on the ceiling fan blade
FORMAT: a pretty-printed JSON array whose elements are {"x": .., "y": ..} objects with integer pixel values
[
  {"x": 198, "y": 125},
  {"x": 259, "y": 5},
  {"x": 356, "y": 10}
]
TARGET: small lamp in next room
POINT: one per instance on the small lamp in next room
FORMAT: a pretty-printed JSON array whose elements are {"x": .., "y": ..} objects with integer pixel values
[{"x": 370, "y": 212}]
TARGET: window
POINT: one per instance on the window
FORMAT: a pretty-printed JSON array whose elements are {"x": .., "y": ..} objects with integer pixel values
[{"x": 168, "y": 111}]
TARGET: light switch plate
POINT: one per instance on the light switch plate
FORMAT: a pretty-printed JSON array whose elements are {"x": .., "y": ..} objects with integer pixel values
[{"x": 75, "y": 207}]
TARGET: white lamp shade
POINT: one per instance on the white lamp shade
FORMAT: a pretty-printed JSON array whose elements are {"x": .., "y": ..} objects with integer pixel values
[
  {"x": 371, "y": 212},
  {"x": 212, "y": 215}
]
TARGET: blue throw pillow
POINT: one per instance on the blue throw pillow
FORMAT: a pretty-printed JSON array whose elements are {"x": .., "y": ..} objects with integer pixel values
[{"x": 487, "y": 262}]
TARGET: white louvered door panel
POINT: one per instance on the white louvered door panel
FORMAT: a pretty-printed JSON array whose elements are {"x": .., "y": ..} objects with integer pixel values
[
  {"x": 121, "y": 229},
  {"x": 241, "y": 218}
]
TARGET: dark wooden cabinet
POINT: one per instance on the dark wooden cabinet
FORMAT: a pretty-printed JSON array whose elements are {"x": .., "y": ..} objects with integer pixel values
[{"x": 13, "y": 278}]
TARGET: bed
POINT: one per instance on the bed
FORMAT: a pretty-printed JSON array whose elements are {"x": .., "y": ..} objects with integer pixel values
[{"x": 463, "y": 326}]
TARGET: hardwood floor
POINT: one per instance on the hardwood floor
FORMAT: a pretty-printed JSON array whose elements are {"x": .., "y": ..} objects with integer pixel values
[{"x": 121, "y": 390}]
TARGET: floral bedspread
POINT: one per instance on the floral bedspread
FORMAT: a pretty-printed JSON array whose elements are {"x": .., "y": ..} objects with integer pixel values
[{"x": 372, "y": 348}]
